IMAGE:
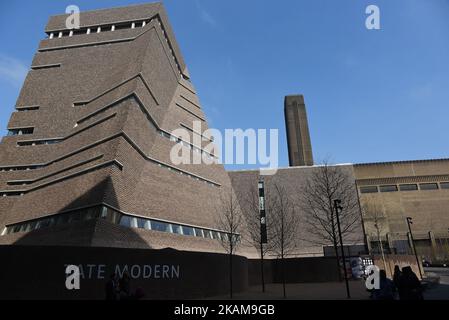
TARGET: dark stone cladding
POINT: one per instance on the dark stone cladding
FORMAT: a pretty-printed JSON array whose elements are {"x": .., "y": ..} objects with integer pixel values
[{"x": 106, "y": 101}]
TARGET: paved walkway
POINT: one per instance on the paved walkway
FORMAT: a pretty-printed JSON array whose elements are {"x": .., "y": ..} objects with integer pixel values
[
  {"x": 438, "y": 291},
  {"x": 304, "y": 291}
]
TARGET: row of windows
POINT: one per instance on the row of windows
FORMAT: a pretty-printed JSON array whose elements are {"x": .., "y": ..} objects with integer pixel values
[
  {"x": 111, "y": 28},
  {"x": 38, "y": 142},
  {"x": 211, "y": 139},
  {"x": 190, "y": 146},
  {"x": 11, "y": 194},
  {"x": 116, "y": 218},
  {"x": 20, "y": 168},
  {"x": 187, "y": 174},
  {"x": 30, "y": 108},
  {"x": 405, "y": 187},
  {"x": 97, "y": 29},
  {"x": 23, "y": 131},
  {"x": 20, "y": 131}
]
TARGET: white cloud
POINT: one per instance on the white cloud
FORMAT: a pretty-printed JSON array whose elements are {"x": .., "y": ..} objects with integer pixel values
[
  {"x": 12, "y": 70},
  {"x": 206, "y": 16}
]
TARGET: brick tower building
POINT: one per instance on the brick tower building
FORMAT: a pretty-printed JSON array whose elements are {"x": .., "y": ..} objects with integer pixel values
[
  {"x": 87, "y": 158},
  {"x": 298, "y": 136}
]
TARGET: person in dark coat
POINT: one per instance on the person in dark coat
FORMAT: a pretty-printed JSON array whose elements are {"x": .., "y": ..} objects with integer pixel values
[
  {"x": 386, "y": 290},
  {"x": 397, "y": 279},
  {"x": 111, "y": 288},
  {"x": 410, "y": 285},
  {"x": 125, "y": 287}
]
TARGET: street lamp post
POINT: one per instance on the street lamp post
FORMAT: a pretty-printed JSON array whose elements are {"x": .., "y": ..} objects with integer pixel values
[
  {"x": 263, "y": 228},
  {"x": 338, "y": 207},
  {"x": 409, "y": 223}
]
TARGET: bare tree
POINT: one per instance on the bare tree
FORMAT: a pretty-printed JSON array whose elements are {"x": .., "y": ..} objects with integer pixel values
[
  {"x": 326, "y": 184},
  {"x": 231, "y": 221},
  {"x": 283, "y": 224},
  {"x": 251, "y": 212},
  {"x": 373, "y": 215}
]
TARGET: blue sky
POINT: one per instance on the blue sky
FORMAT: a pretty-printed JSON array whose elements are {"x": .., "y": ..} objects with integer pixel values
[{"x": 372, "y": 95}]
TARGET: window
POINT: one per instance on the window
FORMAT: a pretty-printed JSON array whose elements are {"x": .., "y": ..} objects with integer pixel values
[
  {"x": 208, "y": 234},
  {"x": 33, "y": 225},
  {"x": 188, "y": 231},
  {"x": 391, "y": 188},
  {"x": 408, "y": 187},
  {"x": 112, "y": 216},
  {"x": 125, "y": 221},
  {"x": 444, "y": 185},
  {"x": 133, "y": 222},
  {"x": 20, "y": 131},
  {"x": 30, "y": 108},
  {"x": 92, "y": 213},
  {"x": 122, "y": 26},
  {"x": 38, "y": 142},
  {"x": 63, "y": 219},
  {"x": 79, "y": 32},
  {"x": 45, "y": 223},
  {"x": 141, "y": 223},
  {"x": 176, "y": 229},
  {"x": 160, "y": 226},
  {"x": 128, "y": 221},
  {"x": 428, "y": 186},
  {"x": 199, "y": 233},
  {"x": 369, "y": 189}
]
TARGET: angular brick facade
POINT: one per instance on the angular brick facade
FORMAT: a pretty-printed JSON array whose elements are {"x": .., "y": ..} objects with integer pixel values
[{"x": 102, "y": 106}]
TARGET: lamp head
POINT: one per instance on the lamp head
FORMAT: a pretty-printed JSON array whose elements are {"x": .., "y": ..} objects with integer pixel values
[{"x": 338, "y": 205}]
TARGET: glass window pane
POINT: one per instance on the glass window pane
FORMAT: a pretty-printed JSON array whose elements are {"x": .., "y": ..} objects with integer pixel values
[
  {"x": 63, "y": 219},
  {"x": 199, "y": 233},
  {"x": 33, "y": 225},
  {"x": 391, "y": 188},
  {"x": 408, "y": 187},
  {"x": 428, "y": 186},
  {"x": 188, "y": 231},
  {"x": 141, "y": 223},
  {"x": 113, "y": 216},
  {"x": 369, "y": 189},
  {"x": 159, "y": 226},
  {"x": 44, "y": 223},
  {"x": 133, "y": 222},
  {"x": 208, "y": 234},
  {"x": 176, "y": 229},
  {"x": 125, "y": 221},
  {"x": 444, "y": 185}
]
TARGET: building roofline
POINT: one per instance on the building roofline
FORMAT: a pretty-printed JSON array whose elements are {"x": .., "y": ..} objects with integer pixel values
[
  {"x": 292, "y": 168},
  {"x": 400, "y": 162},
  {"x": 155, "y": 3}
]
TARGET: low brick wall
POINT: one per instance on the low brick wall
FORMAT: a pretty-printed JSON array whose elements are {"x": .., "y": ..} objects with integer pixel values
[
  {"x": 297, "y": 270},
  {"x": 39, "y": 272}
]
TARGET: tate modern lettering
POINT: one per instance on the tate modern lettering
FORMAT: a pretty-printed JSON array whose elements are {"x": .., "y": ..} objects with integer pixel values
[{"x": 136, "y": 271}]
